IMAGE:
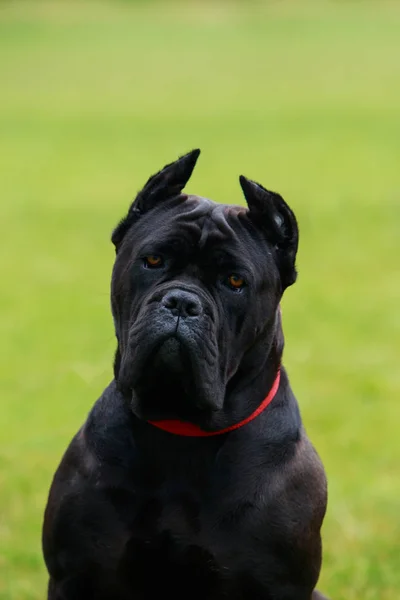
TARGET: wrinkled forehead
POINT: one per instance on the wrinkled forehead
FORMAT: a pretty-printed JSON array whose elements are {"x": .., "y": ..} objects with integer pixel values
[
  {"x": 219, "y": 214},
  {"x": 199, "y": 221}
]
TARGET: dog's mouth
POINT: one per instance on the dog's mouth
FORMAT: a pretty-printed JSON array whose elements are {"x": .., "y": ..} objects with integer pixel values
[
  {"x": 166, "y": 386},
  {"x": 164, "y": 356},
  {"x": 169, "y": 357},
  {"x": 171, "y": 377},
  {"x": 173, "y": 374}
]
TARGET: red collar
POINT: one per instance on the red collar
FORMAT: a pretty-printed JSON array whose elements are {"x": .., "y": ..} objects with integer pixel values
[{"x": 191, "y": 430}]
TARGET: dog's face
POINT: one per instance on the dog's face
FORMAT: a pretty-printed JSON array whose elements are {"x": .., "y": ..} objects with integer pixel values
[{"x": 195, "y": 294}]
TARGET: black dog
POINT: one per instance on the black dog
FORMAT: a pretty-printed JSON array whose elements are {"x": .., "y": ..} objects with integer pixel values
[{"x": 192, "y": 477}]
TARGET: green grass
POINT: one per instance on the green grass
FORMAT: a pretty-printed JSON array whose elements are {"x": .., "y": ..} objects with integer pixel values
[{"x": 304, "y": 97}]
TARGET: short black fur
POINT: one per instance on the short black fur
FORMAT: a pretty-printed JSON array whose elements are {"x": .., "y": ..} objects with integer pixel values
[{"x": 135, "y": 512}]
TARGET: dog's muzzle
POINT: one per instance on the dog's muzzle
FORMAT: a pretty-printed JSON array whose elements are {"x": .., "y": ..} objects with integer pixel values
[{"x": 173, "y": 345}]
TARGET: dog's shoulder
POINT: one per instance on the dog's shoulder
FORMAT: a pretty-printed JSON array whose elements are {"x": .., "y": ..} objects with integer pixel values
[
  {"x": 103, "y": 445},
  {"x": 107, "y": 433},
  {"x": 94, "y": 462}
]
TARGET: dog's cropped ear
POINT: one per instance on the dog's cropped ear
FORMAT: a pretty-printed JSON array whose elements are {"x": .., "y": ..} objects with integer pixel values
[
  {"x": 167, "y": 183},
  {"x": 269, "y": 211}
]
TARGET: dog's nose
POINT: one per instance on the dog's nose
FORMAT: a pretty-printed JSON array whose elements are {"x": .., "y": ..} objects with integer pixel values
[{"x": 182, "y": 303}]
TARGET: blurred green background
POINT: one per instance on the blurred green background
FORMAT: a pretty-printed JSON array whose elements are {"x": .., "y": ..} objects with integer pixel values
[{"x": 302, "y": 96}]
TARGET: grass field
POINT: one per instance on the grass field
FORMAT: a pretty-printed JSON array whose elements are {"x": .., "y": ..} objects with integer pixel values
[{"x": 304, "y": 97}]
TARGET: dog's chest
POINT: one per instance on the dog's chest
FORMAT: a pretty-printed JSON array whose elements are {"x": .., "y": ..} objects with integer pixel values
[
  {"x": 170, "y": 549},
  {"x": 186, "y": 520}
]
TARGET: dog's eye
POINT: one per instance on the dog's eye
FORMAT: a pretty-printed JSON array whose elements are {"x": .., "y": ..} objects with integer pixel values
[
  {"x": 235, "y": 281},
  {"x": 153, "y": 261}
]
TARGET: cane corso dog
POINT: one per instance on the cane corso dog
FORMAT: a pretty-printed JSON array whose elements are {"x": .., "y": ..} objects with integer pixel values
[{"x": 193, "y": 477}]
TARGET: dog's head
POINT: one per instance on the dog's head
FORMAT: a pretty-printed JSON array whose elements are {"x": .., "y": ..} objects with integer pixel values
[{"x": 195, "y": 295}]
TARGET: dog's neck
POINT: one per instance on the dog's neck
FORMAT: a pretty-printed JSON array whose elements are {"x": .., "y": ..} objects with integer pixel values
[
  {"x": 182, "y": 428},
  {"x": 259, "y": 371}
]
